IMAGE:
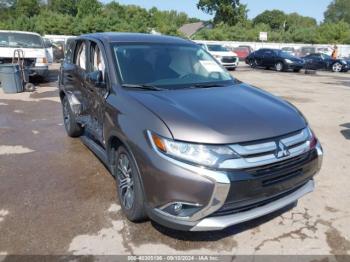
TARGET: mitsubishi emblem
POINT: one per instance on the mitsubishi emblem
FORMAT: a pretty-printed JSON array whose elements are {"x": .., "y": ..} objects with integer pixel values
[{"x": 282, "y": 150}]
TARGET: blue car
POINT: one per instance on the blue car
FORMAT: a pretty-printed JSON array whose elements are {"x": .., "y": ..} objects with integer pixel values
[{"x": 319, "y": 61}]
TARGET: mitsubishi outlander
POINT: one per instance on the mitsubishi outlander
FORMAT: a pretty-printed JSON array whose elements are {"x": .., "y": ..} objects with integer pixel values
[{"x": 189, "y": 146}]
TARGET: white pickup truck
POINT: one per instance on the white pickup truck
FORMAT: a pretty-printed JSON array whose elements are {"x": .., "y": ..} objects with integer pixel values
[{"x": 35, "y": 54}]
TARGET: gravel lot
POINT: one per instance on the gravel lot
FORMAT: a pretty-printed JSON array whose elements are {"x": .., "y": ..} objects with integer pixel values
[{"x": 57, "y": 198}]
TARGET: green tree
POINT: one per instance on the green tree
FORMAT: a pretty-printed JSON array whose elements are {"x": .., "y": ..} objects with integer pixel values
[
  {"x": 338, "y": 10},
  {"x": 229, "y": 12},
  {"x": 88, "y": 7},
  {"x": 276, "y": 19},
  {"x": 27, "y": 8},
  {"x": 68, "y": 7},
  {"x": 296, "y": 20},
  {"x": 49, "y": 22}
]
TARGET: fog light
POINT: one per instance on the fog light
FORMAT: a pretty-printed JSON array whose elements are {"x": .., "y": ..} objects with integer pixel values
[{"x": 181, "y": 209}]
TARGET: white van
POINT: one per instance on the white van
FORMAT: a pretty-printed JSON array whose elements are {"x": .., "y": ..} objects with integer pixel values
[{"x": 32, "y": 44}]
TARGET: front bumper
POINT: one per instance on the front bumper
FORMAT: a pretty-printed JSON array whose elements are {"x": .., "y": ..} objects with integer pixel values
[{"x": 242, "y": 190}]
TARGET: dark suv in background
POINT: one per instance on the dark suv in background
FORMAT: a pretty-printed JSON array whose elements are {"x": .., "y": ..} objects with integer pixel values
[
  {"x": 189, "y": 146},
  {"x": 275, "y": 58}
]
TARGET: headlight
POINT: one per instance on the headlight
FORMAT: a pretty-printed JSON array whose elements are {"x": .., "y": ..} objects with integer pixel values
[
  {"x": 312, "y": 138},
  {"x": 218, "y": 56},
  {"x": 205, "y": 155},
  {"x": 288, "y": 61}
]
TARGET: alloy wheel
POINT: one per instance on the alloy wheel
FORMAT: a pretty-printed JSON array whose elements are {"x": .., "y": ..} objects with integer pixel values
[
  {"x": 125, "y": 181},
  {"x": 279, "y": 67},
  {"x": 337, "y": 67}
]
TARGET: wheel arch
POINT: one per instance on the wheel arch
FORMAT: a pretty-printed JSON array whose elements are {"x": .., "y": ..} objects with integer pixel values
[{"x": 113, "y": 143}]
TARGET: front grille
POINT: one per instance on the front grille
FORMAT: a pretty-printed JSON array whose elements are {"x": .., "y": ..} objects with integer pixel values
[
  {"x": 229, "y": 59},
  {"x": 294, "y": 163},
  {"x": 229, "y": 209},
  {"x": 267, "y": 169}
]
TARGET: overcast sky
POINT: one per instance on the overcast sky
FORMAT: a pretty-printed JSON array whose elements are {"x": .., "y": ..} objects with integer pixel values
[{"x": 313, "y": 8}]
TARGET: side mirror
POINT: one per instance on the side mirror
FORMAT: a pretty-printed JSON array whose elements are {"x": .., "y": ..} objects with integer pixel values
[{"x": 96, "y": 78}]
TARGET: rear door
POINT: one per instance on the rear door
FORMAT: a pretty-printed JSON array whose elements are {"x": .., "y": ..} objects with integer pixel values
[
  {"x": 73, "y": 74},
  {"x": 97, "y": 90}
]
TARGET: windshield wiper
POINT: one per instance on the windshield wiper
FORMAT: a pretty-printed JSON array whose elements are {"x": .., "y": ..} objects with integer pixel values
[
  {"x": 205, "y": 85},
  {"x": 144, "y": 87}
]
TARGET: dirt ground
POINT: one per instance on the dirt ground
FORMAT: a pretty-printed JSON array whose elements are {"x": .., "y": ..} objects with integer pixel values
[{"x": 57, "y": 198}]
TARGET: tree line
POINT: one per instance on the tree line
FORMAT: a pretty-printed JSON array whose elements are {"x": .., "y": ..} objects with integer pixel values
[
  {"x": 230, "y": 22},
  {"x": 75, "y": 17}
]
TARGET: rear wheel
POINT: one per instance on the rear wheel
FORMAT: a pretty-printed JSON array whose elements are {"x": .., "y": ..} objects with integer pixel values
[
  {"x": 252, "y": 63},
  {"x": 337, "y": 67},
  {"x": 73, "y": 129},
  {"x": 296, "y": 70},
  {"x": 279, "y": 66},
  {"x": 129, "y": 186}
]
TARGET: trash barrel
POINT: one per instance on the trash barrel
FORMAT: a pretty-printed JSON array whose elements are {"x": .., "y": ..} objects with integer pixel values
[{"x": 10, "y": 78}]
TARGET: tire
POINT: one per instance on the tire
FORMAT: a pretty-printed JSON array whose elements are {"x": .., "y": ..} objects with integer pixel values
[
  {"x": 73, "y": 129},
  {"x": 29, "y": 87},
  {"x": 296, "y": 70},
  {"x": 279, "y": 66},
  {"x": 337, "y": 67},
  {"x": 252, "y": 63},
  {"x": 129, "y": 189}
]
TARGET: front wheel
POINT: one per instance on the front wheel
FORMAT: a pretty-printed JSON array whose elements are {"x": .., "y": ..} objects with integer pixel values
[
  {"x": 337, "y": 67},
  {"x": 279, "y": 66},
  {"x": 129, "y": 186}
]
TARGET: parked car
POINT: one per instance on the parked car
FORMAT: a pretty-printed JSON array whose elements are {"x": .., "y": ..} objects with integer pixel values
[
  {"x": 189, "y": 146},
  {"x": 242, "y": 52},
  {"x": 274, "y": 58},
  {"x": 306, "y": 50},
  {"x": 324, "y": 50},
  {"x": 321, "y": 61},
  {"x": 35, "y": 53},
  {"x": 289, "y": 50},
  {"x": 225, "y": 57}
]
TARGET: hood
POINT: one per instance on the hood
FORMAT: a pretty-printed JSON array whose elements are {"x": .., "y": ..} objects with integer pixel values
[
  {"x": 7, "y": 52},
  {"x": 222, "y": 115}
]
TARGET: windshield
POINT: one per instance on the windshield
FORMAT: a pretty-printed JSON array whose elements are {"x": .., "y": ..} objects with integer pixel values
[
  {"x": 168, "y": 66},
  {"x": 217, "y": 48},
  {"x": 8, "y": 39}
]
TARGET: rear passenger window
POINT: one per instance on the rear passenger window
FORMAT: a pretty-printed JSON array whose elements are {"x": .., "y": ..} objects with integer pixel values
[
  {"x": 96, "y": 60},
  {"x": 80, "y": 56}
]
